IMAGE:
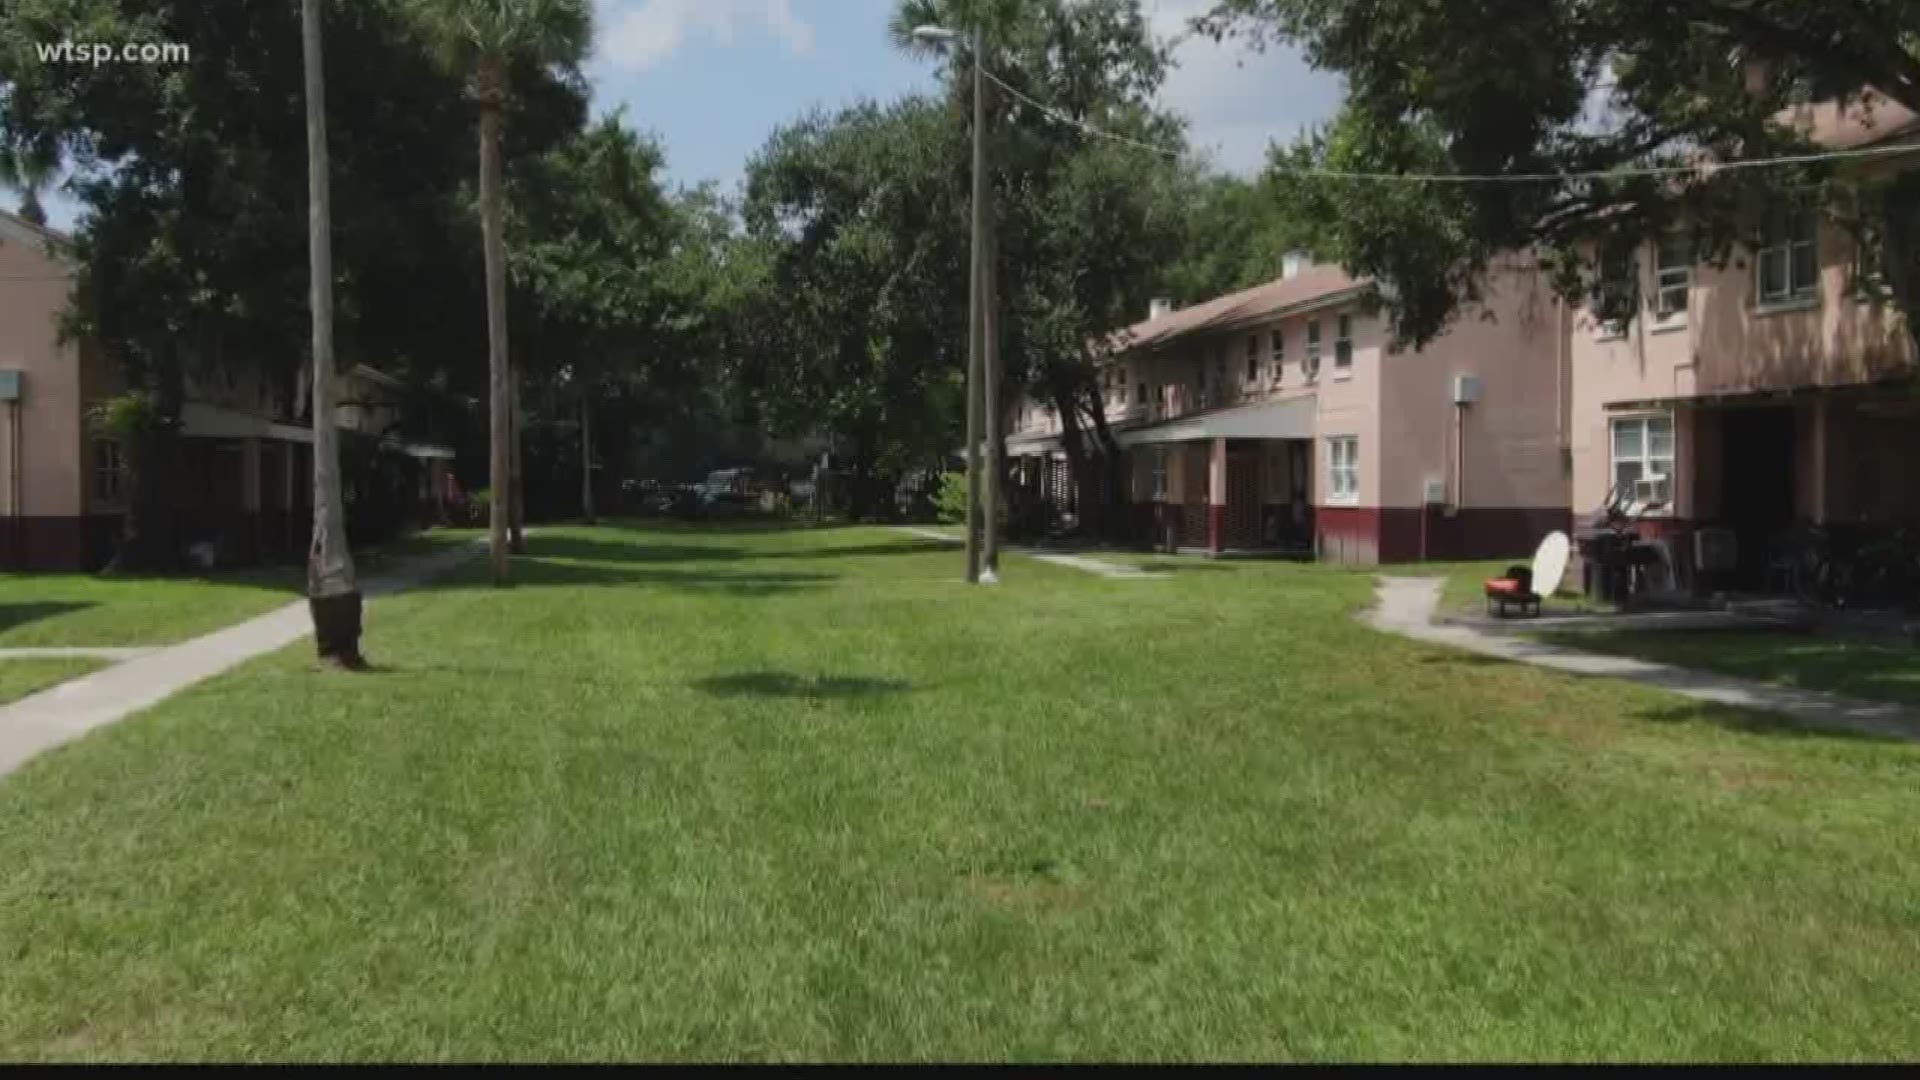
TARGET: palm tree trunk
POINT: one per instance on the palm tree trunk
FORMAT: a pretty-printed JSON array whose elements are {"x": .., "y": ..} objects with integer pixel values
[
  {"x": 586, "y": 459},
  {"x": 333, "y": 595},
  {"x": 493, "y": 244}
]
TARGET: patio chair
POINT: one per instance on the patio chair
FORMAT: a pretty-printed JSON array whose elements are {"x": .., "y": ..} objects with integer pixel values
[
  {"x": 1523, "y": 586},
  {"x": 1513, "y": 589}
]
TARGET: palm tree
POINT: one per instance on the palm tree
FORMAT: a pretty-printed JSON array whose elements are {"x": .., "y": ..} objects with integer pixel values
[
  {"x": 333, "y": 594},
  {"x": 486, "y": 38}
]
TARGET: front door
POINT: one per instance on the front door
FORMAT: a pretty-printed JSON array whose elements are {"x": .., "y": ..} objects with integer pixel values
[{"x": 1757, "y": 481}]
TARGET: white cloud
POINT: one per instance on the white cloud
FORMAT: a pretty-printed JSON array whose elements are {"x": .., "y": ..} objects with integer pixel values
[
  {"x": 1238, "y": 100},
  {"x": 645, "y": 36}
]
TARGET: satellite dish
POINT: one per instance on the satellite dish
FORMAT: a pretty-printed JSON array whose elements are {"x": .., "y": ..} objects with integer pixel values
[{"x": 1550, "y": 563}]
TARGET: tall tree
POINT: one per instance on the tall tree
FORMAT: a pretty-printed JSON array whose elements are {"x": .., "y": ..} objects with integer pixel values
[
  {"x": 1085, "y": 226},
  {"x": 1563, "y": 87},
  {"x": 29, "y": 169},
  {"x": 490, "y": 39},
  {"x": 333, "y": 594},
  {"x": 191, "y": 178},
  {"x": 593, "y": 229},
  {"x": 859, "y": 330}
]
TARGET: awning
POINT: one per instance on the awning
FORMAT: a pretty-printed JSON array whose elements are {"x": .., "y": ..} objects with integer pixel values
[
  {"x": 199, "y": 420},
  {"x": 1289, "y": 419}
]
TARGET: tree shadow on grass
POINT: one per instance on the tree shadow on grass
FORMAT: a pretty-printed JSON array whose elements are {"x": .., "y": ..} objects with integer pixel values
[
  {"x": 530, "y": 572},
  {"x": 1171, "y": 566},
  {"x": 12, "y": 615},
  {"x": 572, "y": 547},
  {"x": 1757, "y": 723},
  {"x": 577, "y": 547},
  {"x": 786, "y": 684}
]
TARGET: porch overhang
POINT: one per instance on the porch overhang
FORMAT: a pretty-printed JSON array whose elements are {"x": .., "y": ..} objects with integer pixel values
[
  {"x": 199, "y": 420},
  {"x": 1033, "y": 445},
  {"x": 1289, "y": 419},
  {"x": 1773, "y": 395}
]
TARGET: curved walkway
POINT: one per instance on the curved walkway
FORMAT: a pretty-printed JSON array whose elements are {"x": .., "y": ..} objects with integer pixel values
[
  {"x": 53, "y": 717},
  {"x": 1406, "y": 607}
]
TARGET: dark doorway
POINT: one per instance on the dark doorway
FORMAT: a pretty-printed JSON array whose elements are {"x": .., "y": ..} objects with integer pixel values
[{"x": 1757, "y": 481}]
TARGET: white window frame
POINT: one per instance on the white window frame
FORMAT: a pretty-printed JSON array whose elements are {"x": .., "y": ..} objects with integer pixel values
[
  {"x": 1343, "y": 470},
  {"x": 1312, "y": 360},
  {"x": 1253, "y": 360},
  {"x": 110, "y": 466},
  {"x": 1159, "y": 474},
  {"x": 1672, "y": 281},
  {"x": 1645, "y": 458},
  {"x": 1788, "y": 235},
  {"x": 1343, "y": 343},
  {"x": 1277, "y": 346}
]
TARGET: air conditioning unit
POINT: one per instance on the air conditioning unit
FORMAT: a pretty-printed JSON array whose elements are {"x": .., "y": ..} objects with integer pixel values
[
  {"x": 1466, "y": 389},
  {"x": 10, "y": 385},
  {"x": 1436, "y": 494},
  {"x": 1651, "y": 492}
]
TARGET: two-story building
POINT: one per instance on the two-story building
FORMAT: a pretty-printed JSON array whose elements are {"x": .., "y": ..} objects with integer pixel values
[
  {"x": 1282, "y": 419},
  {"x": 246, "y": 481},
  {"x": 1743, "y": 398}
]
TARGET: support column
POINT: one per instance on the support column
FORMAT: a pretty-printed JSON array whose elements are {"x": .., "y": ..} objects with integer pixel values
[
  {"x": 252, "y": 497},
  {"x": 1819, "y": 485},
  {"x": 1217, "y": 496}
]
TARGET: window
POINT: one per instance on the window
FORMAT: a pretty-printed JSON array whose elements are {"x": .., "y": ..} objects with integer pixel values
[
  {"x": 1253, "y": 358},
  {"x": 109, "y": 471},
  {"x": 1787, "y": 265},
  {"x": 1673, "y": 275},
  {"x": 1140, "y": 393},
  {"x": 1343, "y": 469},
  {"x": 1313, "y": 348},
  {"x": 1870, "y": 265},
  {"x": 1643, "y": 450},
  {"x": 1343, "y": 342},
  {"x": 1120, "y": 376},
  {"x": 1618, "y": 293},
  {"x": 1160, "y": 474}
]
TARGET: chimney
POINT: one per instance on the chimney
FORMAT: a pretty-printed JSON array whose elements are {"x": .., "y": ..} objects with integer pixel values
[
  {"x": 1159, "y": 307},
  {"x": 1293, "y": 262}
]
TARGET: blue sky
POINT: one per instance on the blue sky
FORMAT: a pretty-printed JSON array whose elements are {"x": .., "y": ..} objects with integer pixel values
[{"x": 714, "y": 77}]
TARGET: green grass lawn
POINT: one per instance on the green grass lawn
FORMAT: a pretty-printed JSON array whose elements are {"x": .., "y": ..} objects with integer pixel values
[
  {"x": 91, "y": 610},
  {"x": 1878, "y": 670},
  {"x": 806, "y": 795},
  {"x": 18, "y": 678}
]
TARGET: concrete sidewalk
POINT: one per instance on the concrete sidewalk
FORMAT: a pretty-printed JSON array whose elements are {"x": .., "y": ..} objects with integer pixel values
[
  {"x": 38, "y": 723},
  {"x": 1406, "y": 607}
]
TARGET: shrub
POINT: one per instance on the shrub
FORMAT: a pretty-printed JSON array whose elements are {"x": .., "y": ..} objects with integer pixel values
[{"x": 952, "y": 503}]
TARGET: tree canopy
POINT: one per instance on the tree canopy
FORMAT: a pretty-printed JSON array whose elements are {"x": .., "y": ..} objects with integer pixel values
[{"x": 1557, "y": 87}]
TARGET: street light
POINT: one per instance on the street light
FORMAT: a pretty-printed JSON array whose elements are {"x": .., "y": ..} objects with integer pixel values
[{"x": 982, "y": 391}]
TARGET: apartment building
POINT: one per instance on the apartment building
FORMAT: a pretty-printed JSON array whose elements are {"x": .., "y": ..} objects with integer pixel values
[
  {"x": 1743, "y": 398},
  {"x": 246, "y": 480},
  {"x": 1281, "y": 420}
]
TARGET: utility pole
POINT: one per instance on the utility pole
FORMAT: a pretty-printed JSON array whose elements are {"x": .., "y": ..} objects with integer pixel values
[
  {"x": 976, "y": 305},
  {"x": 990, "y": 399}
]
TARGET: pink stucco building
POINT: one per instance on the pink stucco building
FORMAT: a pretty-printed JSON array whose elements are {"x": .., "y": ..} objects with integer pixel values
[
  {"x": 246, "y": 480},
  {"x": 1744, "y": 398},
  {"x": 1280, "y": 419}
]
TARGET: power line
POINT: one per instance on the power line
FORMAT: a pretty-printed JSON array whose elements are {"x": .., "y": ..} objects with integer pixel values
[{"x": 1705, "y": 168}]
